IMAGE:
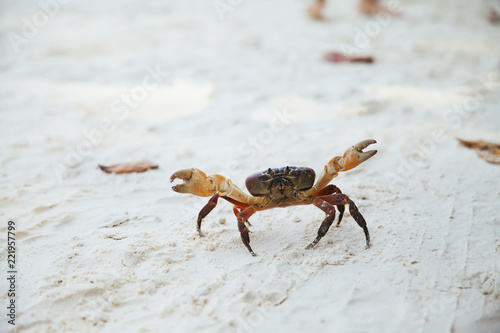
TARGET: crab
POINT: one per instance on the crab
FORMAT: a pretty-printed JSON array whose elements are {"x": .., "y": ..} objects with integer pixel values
[{"x": 280, "y": 187}]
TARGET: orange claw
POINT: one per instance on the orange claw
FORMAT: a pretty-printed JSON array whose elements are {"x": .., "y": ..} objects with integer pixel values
[
  {"x": 355, "y": 155},
  {"x": 195, "y": 182}
]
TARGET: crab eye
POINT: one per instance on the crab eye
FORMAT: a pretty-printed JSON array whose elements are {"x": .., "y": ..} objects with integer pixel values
[
  {"x": 270, "y": 172},
  {"x": 287, "y": 170}
]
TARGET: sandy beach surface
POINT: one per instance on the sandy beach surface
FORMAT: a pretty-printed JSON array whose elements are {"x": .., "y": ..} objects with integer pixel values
[{"x": 235, "y": 87}]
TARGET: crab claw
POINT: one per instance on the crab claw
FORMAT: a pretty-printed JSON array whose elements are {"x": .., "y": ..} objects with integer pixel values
[
  {"x": 355, "y": 155},
  {"x": 195, "y": 182}
]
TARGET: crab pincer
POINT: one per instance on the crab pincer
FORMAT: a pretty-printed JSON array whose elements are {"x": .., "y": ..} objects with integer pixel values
[
  {"x": 355, "y": 155},
  {"x": 195, "y": 182}
]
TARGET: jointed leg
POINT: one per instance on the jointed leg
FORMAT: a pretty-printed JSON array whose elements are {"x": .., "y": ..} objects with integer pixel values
[
  {"x": 359, "y": 220},
  {"x": 352, "y": 157},
  {"x": 331, "y": 189},
  {"x": 327, "y": 222},
  {"x": 205, "y": 211},
  {"x": 237, "y": 210},
  {"x": 242, "y": 218},
  {"x": 198, "y": 183},
  {"x": 342, "y": 199},
  {"x": 238, "y": 207}
]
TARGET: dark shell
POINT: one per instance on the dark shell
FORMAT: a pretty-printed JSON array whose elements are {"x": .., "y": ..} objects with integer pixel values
[{"x": 260, "y": 183}]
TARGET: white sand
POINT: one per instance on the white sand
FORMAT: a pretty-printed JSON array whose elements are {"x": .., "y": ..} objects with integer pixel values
[{"x": 99, "y": 252}]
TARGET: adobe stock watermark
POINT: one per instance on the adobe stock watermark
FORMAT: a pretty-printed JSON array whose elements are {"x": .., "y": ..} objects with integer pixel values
[
  {"x": 120, "y": 110},
  {"x": 256, "y": 318},
  {"x": 31, "y": 26},
  {"x": 221, "y": 7},
  {"x": 363, "y": 36},
  {"x": 453, "y": 117},
  {"x": 483, "y": 282},
  {"x": 248, "y": 149},
  {"x": 433, "y": 308}
]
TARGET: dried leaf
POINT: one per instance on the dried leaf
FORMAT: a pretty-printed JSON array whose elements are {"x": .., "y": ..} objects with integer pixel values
[
  {"x": 490, "y": 152},
  {"x": 339, "y": 57},
  {"x": 129, "y": 167},
  {"x": 494, "y": 17}
]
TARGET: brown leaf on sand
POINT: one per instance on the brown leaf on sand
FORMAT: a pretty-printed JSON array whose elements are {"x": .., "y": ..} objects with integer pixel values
[
  {"x": 339, "y": 57},
  {"x": 494, "y": 17},
  {"x": 490, "y": 152},
  {"x": 129, "y": 167}
]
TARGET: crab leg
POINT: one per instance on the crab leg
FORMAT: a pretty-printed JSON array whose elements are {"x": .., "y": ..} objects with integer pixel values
[
  {"x": 331, "y": 189},
  {"x": 198, "y": 183},
  {"x": 237, "y": 210},
  {"x": 212, "y": 203},
  {"x": 327, "y": 222},
  {"x": 352, "y": 157},
  {"x": 325, "y": 203},
  {"x": 359, "y": 220},
  {"x": 242, "y": 218},
  {"x": 205, "y": 211}
]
